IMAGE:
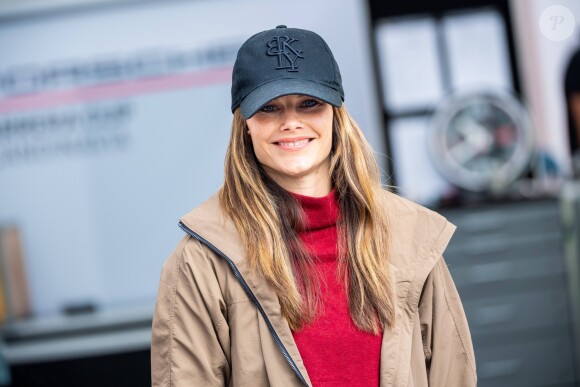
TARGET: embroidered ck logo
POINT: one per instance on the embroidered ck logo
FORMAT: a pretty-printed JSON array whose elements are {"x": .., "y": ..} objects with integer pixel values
[{"x": 281, "y": 46}]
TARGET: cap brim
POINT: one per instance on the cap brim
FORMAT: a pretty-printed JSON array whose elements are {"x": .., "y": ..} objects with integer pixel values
[{"x": 278, "y": 88}]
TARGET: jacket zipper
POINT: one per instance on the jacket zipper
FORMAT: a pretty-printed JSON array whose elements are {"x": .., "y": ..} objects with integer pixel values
[{"x": 252, "y": 297}]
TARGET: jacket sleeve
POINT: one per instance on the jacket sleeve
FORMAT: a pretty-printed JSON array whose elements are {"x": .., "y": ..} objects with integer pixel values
[
  {"x": 449, "y": 356},
  {"x": 190, "y": 334}
]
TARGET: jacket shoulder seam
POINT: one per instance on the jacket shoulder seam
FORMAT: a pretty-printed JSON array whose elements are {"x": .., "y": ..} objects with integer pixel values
[
  {"x": 206, "y": 254},
  {"x": 173, "y": 307},
  {"x": 420, "y": 275},
  {"x": 417, "y": 282},
  {"x": 205, "y": 250},
  {"x": 459, "y": 333}
]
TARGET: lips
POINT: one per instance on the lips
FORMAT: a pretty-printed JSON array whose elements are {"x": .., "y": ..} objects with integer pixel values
[{"x": 293, "y": 144}]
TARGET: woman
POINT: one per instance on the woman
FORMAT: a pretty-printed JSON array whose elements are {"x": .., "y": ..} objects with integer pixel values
[{"x": 302, "y": 270}]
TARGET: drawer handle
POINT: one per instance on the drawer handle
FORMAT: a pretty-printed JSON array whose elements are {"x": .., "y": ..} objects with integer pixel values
[
  {"x": 491, "y": 244},
  {"x": 494, "y": 314},
  {"x": 500, "y": 368},
  {"x": 491, "y": 272},
  {"x": 493, "y": 220},
  {"x": 487, "y": 250}
]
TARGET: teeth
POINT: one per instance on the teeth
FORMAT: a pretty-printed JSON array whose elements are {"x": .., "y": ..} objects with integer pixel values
[{"x": 294, "y": 144}]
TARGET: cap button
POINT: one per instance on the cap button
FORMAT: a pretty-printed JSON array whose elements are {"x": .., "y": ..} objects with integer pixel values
[{"x": 281, "y": 26}]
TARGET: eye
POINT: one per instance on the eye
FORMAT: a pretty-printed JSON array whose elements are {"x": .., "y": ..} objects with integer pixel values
[
  {"x": 310, "y": 103},
  {"x": 268, "y": 109}
]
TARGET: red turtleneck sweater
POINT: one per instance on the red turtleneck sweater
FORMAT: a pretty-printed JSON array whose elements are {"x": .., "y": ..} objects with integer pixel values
[{"x": 334, "y": 351}]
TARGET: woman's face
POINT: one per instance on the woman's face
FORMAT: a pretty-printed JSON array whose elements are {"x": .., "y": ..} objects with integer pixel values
[{"x": 292, "y": 139}]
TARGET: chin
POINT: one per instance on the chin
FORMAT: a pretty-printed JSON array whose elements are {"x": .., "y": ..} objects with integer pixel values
[
  {"x": 298, "y": 172},
  {"x": 293, "y": 171}
]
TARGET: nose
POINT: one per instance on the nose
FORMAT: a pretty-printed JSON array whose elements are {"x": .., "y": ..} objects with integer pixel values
[{"x": 291, "y": 120}]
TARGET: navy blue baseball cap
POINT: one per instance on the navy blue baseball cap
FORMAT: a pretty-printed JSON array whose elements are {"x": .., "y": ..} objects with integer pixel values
[{"x": 284, "y": 61}]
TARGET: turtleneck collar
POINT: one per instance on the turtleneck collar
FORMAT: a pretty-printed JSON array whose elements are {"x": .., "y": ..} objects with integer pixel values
[{"x": 321, "y": 212}]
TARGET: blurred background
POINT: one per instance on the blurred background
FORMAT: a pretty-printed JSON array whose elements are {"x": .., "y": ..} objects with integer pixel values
[{"x": 114, "y": 121}]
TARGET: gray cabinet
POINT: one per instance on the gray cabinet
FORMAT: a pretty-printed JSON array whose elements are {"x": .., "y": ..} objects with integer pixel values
[{"x": 507, "y": 262}]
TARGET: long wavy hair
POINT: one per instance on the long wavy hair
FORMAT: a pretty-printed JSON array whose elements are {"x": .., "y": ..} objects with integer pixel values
[{"x": 268, "y": 217}]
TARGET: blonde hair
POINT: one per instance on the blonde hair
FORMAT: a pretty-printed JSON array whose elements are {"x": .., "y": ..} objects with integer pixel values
[{"x": 267, "y": 216}]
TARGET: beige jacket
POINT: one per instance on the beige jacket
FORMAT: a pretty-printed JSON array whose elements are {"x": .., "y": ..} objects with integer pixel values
[{"x": 217, "y": 323}]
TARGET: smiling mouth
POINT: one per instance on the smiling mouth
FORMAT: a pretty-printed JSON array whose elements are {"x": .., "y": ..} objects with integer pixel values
[{"x": 293, "y": 144}]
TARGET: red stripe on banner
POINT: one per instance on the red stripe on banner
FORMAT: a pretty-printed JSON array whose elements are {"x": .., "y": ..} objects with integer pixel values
[{"x": 115, "y": 90}]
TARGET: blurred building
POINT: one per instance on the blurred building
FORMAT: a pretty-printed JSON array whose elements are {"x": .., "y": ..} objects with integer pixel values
[{"x": 114, "y": 120}]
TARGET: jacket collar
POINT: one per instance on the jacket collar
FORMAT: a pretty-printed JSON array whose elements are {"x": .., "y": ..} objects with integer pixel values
[
  {"x": 418, "y": 238},
  {"x": 209, "y": 222}
]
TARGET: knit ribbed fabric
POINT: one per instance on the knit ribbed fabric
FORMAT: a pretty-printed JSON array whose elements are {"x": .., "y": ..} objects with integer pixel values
[{"x": 334, "y": 351}]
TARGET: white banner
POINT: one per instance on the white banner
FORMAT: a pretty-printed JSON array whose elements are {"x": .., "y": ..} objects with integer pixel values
[{"x": 114, "y": 123}]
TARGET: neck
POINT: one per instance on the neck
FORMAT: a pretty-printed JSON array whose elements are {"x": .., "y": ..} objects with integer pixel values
[
  {"x": 314, "y": 189},
  {"x": 315, "y": 184}
]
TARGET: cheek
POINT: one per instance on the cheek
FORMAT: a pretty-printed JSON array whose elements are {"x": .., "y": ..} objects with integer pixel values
[
  {"x": 258, "y": 145},
  {"x": 328, "y": 131}
]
